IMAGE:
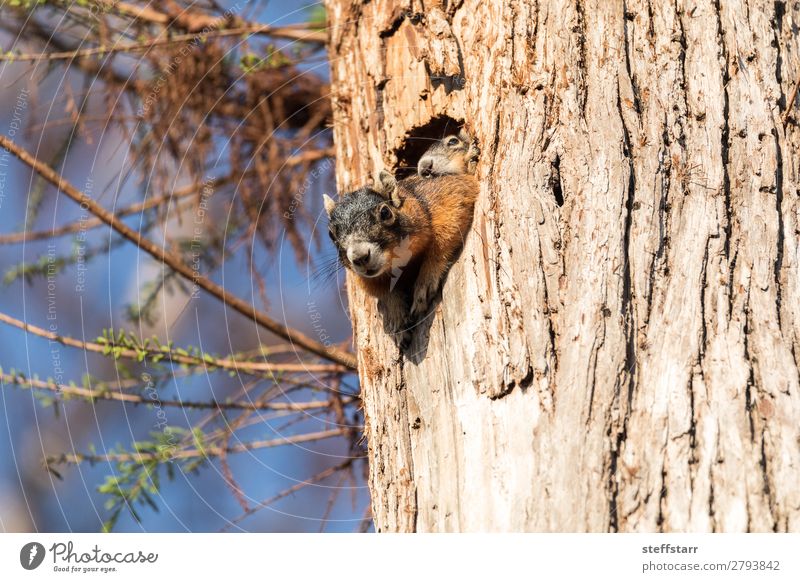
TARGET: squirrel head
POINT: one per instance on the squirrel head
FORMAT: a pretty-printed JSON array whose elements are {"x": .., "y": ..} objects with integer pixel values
[
  {"x": 453, "y": 154},
  {"x": 367, "y": 225}
]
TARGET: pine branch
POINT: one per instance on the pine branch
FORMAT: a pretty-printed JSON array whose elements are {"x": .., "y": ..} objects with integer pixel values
[
  {"x": 205, "y": 452},
  {"x": 156, "y": 354},
  {"x": 137, "y": 399}
]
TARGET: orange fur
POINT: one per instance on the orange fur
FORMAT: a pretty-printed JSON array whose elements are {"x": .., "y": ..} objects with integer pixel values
[
  {"x": 438, "y": 213},
  {"x": 450, "y": 201}
]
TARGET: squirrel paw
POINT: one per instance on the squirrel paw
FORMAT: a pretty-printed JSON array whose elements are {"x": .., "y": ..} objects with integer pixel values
[
  {"x": 403, "y": 340},
  {"x": 394, "y": 323},
  {"x": 423, "y": 296},
  {"x": 399, "y": 328},
  {"x": 400, "y": 332}
]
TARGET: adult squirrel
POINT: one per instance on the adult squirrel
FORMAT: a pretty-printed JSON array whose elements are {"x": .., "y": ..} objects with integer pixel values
[{"x": 401, "y": 238}]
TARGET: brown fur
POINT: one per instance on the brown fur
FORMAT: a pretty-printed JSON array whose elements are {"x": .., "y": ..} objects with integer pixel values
[
  {"x": 434, "y": 215},
  {"x": 442, "y": 158},
  {"x": 451, "y": 200},
  {"x": 439, "y": 234}
]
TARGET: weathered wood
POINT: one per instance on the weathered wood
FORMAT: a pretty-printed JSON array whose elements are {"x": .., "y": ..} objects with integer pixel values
[{"x": 616, "y": 349}]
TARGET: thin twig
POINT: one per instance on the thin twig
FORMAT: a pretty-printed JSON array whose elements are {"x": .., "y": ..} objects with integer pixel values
[
  {"x": 286, "y": 492},
  {"x": 332, "y": 498},
  {"x": 137, "y": 399},
  {"x": 75, "y": 458},
  {"x": 366, "y": 520},
  {"x": 145, "y": 46}
]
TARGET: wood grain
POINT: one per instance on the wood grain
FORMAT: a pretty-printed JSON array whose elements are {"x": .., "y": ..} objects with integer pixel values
[{"x": 616, "y": 349}]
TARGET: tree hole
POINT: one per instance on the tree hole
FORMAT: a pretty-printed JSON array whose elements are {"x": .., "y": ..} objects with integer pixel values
[
  {"x": 555, "y": 182},
  {"x": 419, "y": 139}
]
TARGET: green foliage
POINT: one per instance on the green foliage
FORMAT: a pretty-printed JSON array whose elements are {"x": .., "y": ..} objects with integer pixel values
[
  {"x": 52, "y": 265},
  {"x": 135, "y": 482},
  {"x": 151, "y": 349},
  {"x": 46, "y": 266},
  {"x": 273, "y": 59},
  {"x": 26, "y": 4},
  {"x": 317, "y": 17}
]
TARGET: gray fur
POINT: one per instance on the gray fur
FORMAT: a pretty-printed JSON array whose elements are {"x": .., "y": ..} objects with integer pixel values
[
  {"x": 354, "y": 212},
  {"x": 361, "y": 236}
]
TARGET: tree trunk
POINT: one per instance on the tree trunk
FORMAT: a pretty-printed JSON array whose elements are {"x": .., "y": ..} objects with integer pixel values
[{"x": 616, "y": 349}]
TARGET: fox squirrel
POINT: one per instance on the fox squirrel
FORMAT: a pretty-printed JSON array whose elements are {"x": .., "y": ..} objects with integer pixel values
[
  {"x": 454, "y": 154},
  {"x": 400, "y": 238}
]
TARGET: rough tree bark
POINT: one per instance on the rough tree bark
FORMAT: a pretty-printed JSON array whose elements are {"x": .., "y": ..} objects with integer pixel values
[{"x": 616, "y": 349}]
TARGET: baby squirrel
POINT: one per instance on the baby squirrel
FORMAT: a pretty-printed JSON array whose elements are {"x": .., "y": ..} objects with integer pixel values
[
  {"x": 454, "y": 154},
  {"x": 401, "y": 237}
]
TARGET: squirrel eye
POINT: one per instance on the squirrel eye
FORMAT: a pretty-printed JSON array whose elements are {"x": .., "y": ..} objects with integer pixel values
[
  {"x": 332, "y": 234},
  {"x": 453, "y": 141},
  {"x": 385, "y": 213}
]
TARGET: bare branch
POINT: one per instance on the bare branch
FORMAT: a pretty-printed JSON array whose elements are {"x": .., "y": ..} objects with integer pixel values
[
  {"x": 204, "y": 360},
  {"x": 197, "y": 22},
  {"x": 335, "y": 354},
  {"x": 177, "y": 39},
  {"x": 288, "y": 491},
  {"x": 137, "y": 399},
  {"x": 18, "y": 237}
]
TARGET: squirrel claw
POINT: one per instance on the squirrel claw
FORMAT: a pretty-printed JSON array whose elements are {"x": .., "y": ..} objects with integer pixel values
[
  {"x": 423, "y": 295},
  {"x": 403, "y": 340}
]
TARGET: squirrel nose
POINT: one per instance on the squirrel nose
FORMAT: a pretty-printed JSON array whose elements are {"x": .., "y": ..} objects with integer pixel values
[
  {"x": 425, "y": 167},
  {"x": 359, "y": 257}
]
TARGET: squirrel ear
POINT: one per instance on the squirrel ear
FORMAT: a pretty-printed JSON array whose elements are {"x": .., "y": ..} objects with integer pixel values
[
  {"x": 330, "y": 203},
  {"x": 464, "y": 136},
  {"x": 387, "y": 185}
]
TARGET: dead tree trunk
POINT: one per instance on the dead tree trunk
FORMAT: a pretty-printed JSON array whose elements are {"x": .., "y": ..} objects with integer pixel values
[{"x": 616, "y": 349}]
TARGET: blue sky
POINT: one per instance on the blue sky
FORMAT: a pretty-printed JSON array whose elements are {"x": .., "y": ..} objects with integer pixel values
[{"x": 30, "y": 498}]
